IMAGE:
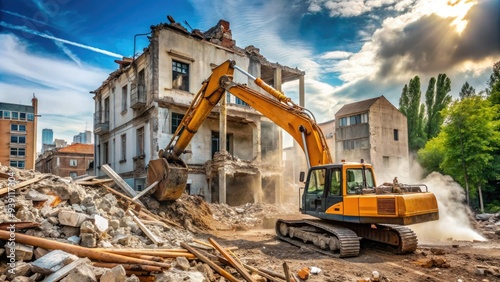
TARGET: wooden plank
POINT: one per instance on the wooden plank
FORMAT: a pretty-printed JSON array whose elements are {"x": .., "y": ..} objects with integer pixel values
[
  {"x": 118, "y": 180},
  {"x": 77, "y": 250},
  {"x": 214, "y": 266},
  {"x": 4, "y": 175},
  {"x": 94, "y": 182},
  {"x": 286, "y": 269},
  {"x": 145, "y": 190},
  {"x": 23, "y": 184},
  {"x": 231, "y": 260},
  {"x": 61, "y": 273},
  {"x": 145, "y": 229}
]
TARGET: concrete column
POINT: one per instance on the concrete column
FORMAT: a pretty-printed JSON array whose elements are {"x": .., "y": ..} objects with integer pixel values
[
  {"x": 222, "y": 147},
  {"x": 277, "y": 79},
  {"x": 302, "y": 99},
  {"x": 222, "y": 185}
]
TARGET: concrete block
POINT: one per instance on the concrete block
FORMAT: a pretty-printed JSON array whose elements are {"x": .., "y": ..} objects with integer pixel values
[
  {"x": 70, "y": 218},
  {"x": 115, "y": 274},
  {"x": 83, "y": 273},
  {"x": 52, "y": 262},
  {"x": 40, "y": 252},
  {"x": 21, "y": 269},
  {"x": 101, "y": 223},
  {"x": 74, "y": 240},
  {"x": 87, "y": 227},
  {"x": 22, "y": 279},
  {"x": 22, "y": 252},
  {"x": 182, "y": 263},
  {"x": 88, "y": 240}
]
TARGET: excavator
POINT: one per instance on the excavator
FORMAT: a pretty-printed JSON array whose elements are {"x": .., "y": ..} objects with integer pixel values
[{"x": 342, "y": 202}]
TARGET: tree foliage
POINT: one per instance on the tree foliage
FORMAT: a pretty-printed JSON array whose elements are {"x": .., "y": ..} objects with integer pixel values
[
  {"x": 471, "y": 135},
  {"x": 410, "y": 106},
  {"x": 436, "y": 100},
  {"x": 494, "y": 77},
  {"x": 431, "y": 156},
  {"x": 467, "y": 91}
]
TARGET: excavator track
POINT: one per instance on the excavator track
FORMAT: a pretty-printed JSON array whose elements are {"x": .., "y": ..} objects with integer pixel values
[
  {"x": 328, "y": 239},
  {"x": 396, "y": 239}
]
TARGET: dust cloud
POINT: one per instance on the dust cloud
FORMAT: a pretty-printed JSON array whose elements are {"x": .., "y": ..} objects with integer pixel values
[{"x": 454, "y": 216}]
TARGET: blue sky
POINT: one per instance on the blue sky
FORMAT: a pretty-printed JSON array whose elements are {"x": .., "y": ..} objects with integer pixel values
[{"x": 350, "y": 49}]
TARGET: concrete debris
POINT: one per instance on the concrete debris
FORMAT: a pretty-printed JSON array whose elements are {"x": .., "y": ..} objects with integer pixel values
[
  {"x": 52, "y": 262},
  {"x": 115, "y": 274}
]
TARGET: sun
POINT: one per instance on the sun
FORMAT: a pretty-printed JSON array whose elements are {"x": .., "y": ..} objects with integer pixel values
[{"x": 455, "y": 9}]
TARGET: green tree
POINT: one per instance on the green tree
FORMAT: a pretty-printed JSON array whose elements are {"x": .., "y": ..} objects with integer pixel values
[
  {"x": 471, "y": 135},
  {"x": 410, "y": 106},
  {"x": 436, "y": 99},
  {"x": 431, "y": 156},
  {"x": 494, "y": 77},
  {"x": 467, "y": 91}
]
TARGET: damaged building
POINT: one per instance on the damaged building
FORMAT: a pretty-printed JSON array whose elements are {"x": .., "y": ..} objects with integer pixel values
[{"x": 236, "y": 155}]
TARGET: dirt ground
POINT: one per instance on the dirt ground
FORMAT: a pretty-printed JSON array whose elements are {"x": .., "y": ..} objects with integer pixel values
[{"x": 433, "y": 261}]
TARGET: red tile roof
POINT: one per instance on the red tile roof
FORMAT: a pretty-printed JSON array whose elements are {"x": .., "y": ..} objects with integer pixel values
[{"x": 78, "y": 148}]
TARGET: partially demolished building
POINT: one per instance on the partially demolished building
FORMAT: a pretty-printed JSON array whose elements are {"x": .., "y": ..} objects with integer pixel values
[{"x": 140, "y": 105}]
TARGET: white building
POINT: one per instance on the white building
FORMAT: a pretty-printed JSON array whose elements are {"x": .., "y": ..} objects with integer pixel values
[{"x": 139, "y": 106}]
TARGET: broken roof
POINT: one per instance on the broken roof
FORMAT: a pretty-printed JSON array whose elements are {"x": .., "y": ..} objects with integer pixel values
[{"x": 357, "y": 107}]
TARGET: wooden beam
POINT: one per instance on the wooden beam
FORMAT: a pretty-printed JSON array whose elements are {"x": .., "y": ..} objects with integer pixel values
[
  {"x": 23, "y": 184},
  {"x": 231, "y": 260},
  {"x": 145, "y": 229},
  {"x": 286, "y": 269},
  {"x": 77, "y": 250},
  {"x": 118, "y": 180},
  {"x": 128, "y": 266},
  {"x": 94, "y": 182},
  {"x": 214, "y": 266},
  {"x": 145, "y": 190}
]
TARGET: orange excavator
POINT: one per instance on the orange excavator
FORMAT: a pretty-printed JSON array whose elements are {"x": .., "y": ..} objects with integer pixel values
[{"x": 342, "y": 199}]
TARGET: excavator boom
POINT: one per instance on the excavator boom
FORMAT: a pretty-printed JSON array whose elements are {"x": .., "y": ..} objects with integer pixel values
[{"x": 170, "y": 170}]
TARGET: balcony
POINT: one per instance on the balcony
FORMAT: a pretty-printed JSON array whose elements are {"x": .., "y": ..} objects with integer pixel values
[
  {"x": 138, "y": 96},
  {"x": 101, "y": 123}
]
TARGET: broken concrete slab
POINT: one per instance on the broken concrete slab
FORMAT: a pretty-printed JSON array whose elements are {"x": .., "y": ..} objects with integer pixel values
[
  {"x": 83, "y": 273},
  {"x": 21, "y": 269},
  {"x": 52, "y": 262},
  {"x": 101, "y": 223},
  {"x": 182, "y": 263},
  {"x": 88, "y": 240},
  {"x": 40, "y": 252},
  {"x": 71, "y": 218}
]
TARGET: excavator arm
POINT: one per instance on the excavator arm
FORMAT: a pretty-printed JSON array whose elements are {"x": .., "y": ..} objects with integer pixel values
[{"x": 277, "y": 107}]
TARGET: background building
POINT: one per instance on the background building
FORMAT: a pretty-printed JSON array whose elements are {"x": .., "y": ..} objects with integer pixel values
[
  {"x": 18, "y": 127},
  {"x": 83, "y": 137},
  {"x": 72, "y": 160},
  {"x": 376, "y": 131},
  {"x": 140, "y": 105},
  {"x": 47, "y": 136}
]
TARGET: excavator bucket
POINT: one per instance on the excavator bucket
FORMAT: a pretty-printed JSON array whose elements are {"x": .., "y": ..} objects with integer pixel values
[{"x": 172, "y": 177}]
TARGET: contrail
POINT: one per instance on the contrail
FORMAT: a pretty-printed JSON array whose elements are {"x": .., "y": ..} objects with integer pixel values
[
  {"x": 24, "y": 17},
  {"x": 34, "y": 32}
]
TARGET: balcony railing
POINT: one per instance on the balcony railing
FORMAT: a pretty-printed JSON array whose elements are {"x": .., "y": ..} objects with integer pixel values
[
  {"x": 138, "y": 96},
  {"x": 101, "y": 123}
]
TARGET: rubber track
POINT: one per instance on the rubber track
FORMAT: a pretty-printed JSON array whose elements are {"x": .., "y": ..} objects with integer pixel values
[
  {"x": 349, "y": 241},
  {"x": 408, "y": 238}
]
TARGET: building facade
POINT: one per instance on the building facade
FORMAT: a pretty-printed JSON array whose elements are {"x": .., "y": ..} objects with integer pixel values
[
  {"x": 375, "y": 131},
  {"x": 18, "y": 127},
  {"x": 140, "y": 105},
  {"x": 72, "y": 160}
]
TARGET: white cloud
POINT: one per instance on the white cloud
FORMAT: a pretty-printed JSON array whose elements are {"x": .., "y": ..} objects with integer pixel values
[
  {"x": 348, "y": 8},
  {"x": 335, "y": 55},
  {"x": 61, "y": 86}
]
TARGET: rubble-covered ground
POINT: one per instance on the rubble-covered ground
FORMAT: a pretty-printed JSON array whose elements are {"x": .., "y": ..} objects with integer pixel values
[{"x": 92, "y": 216}]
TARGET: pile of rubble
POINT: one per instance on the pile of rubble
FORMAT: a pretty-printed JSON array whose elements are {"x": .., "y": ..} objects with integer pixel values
[
  {"x": 489, "y": 224},
  {"x": 54, "y": 228}
]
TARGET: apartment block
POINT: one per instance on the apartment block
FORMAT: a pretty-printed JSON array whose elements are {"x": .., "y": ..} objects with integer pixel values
[
  {"x": 18, "y": 134},
  {"x": 141, "y": 104},
  {"x": 72, "y": 160}
]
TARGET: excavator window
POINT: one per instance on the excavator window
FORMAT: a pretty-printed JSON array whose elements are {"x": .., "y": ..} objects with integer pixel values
[
  {"x": 316, "y": 183},
  {"x": 355, "y": 182},
  {"x": 335, "y": 183}
]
